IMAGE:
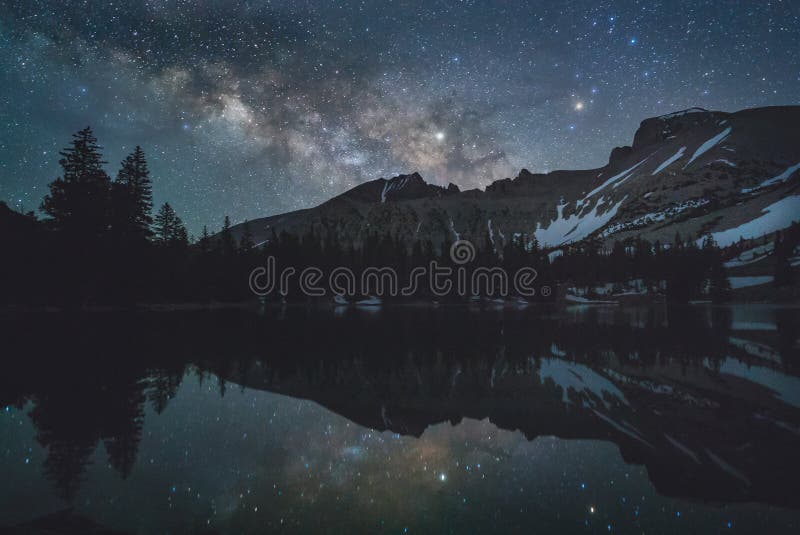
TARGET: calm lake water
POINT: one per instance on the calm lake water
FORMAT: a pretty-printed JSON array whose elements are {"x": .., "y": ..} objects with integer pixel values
[{"x": 403, "y": 420}]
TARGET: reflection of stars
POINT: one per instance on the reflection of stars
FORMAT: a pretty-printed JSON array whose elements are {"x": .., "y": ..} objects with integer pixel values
[{"x": 442, "y": 477}]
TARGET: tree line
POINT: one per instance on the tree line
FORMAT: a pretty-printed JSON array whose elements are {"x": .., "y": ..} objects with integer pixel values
[{"x": 101, "y": 244}]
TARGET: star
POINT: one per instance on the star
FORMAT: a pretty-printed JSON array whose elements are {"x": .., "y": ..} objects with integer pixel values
[{"x": 281, "y": 111}]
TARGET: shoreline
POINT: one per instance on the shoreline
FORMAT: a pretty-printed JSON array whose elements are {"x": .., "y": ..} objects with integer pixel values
[{"x": 479, "y": 306}]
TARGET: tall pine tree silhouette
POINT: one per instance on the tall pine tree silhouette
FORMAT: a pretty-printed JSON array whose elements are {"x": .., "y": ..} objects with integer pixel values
[
  {"x": 226, "y": 243},
  {"x": 79, "y": 201},
  {"x": 246, "y": 242},
  {"x": 133, "y": 197},
  {"x": 169, "y": 229}
]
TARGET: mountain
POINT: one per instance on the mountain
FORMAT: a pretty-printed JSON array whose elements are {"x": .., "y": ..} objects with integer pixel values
[{"x": 695, "y": 172}]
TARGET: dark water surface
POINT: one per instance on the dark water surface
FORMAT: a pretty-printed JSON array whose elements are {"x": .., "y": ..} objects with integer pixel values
[{"x": 589, "y": 420}]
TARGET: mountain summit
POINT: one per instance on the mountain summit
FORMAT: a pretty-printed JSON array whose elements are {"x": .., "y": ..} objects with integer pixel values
[{"x": 695, "y": 172}]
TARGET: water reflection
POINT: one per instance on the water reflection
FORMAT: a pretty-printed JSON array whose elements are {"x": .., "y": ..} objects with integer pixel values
[{"x": 704, "y": 399}]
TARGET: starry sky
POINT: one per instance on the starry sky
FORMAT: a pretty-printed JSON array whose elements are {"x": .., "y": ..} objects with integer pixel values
[{"x": 251, "y": 108}]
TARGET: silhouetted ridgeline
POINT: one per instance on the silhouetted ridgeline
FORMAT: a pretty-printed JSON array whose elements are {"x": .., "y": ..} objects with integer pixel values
[{"x": 100, "y": 244}]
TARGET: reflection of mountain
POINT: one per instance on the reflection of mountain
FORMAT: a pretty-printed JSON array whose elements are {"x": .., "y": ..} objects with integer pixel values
[
  {"x": 706, "y": 400},
  {"x": 706, "y": 425}
]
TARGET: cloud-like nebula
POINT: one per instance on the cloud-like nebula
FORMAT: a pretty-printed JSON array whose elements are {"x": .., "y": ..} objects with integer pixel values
[{"x": 253, "y": 108}]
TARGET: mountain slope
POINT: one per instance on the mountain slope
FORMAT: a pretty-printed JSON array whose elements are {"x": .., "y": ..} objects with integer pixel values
[{"x": 694, "y": 172}]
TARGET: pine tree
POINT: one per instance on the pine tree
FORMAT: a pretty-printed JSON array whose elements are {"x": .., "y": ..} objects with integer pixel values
[
  {"x": 203, "y": 243},
  {"x": 784, "y": 275},
  {"x": 79, "y": 201},
  {"x": 169, "y": 229},
  {"x": 719, "y": 287},
  {"x": 133, "y": 196},
  {"x": 226, "y": 243},
  {"x": 246, "y": 242}
]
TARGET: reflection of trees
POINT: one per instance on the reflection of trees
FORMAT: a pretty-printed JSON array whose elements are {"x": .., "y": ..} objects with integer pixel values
[
  {"x": 73, "y": 416},
  {"x": 86, "y": 397},
  {"x": 788, "y": 324},
  {"x": 76, "y": 412},
  {"x": 122, "y": 430},
  {"x": 69, "y": 437},
  {"x": 163, "y": 386}
]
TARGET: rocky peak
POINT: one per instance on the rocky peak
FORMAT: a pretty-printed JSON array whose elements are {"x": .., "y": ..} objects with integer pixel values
[
  {"x": 658, "y": 129},
  {"x": 408, "y": 187},
  {"x": 619, "y": 154}
]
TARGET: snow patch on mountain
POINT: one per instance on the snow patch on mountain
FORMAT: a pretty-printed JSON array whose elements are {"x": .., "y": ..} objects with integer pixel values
[
  {"x": 654, "y": 217},
  {"x": 393, "y": 184},
  {"x": 453, "y": 228},
  {"x": 491, "y": 231},
  {"x": 666, "y": 163},
  {"x": 682, "y": 113},
  {"x": 621, "y": 177},
  {"x": 702, "y": 149},
  {"x": 745, "y": 282},
  {"x": 783, "y": 177},
  {"x": 575, "y": 227},
  {"x": 776, "y": 216},
  {"x": 751, "y": 255}
]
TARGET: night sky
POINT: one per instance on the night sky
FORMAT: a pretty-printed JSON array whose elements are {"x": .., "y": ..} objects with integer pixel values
[{"x": 254, "y": 108}]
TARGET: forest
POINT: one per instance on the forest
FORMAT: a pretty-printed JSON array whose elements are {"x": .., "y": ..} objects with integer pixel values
[{"x": 99, "y": 242}]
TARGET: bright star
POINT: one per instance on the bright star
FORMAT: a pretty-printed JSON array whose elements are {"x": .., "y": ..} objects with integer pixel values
[
  {"x": 578, "y": 106},
  {"x": 439, "y": 136}
]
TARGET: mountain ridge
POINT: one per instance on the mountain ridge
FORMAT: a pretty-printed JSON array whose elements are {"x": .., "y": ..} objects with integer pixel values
[{"x": 694, "y": 172}]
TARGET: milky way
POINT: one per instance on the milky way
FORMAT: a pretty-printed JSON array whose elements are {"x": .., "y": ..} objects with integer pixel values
[{"x": 254, "y": 108}]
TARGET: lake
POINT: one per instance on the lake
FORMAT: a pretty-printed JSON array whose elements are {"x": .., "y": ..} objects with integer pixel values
[{"x": 403, "y": 420}]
